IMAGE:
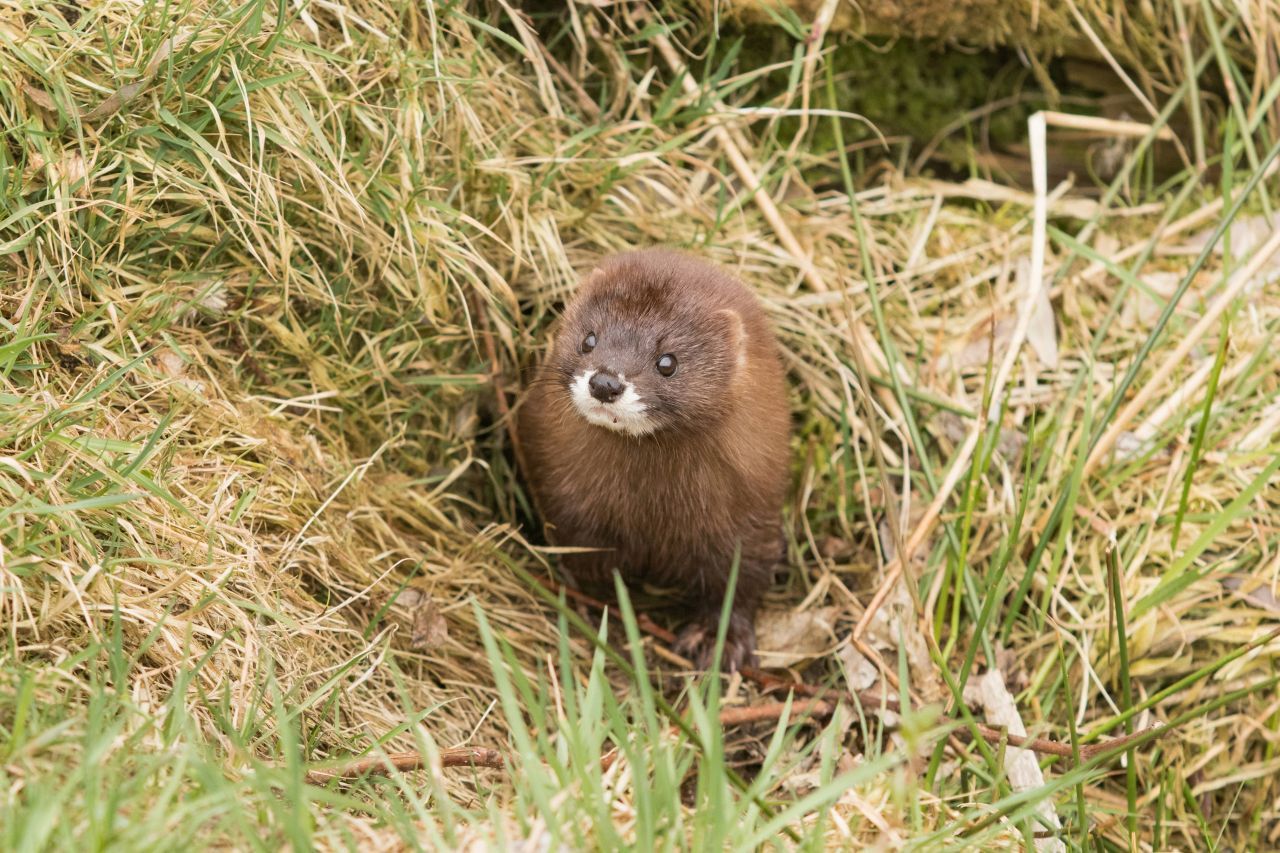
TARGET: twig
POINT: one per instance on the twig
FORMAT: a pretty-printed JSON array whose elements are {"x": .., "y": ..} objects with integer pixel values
[
  {"x": 1044, "y": 746},
  {"x": 773, "y": 711},
  {"x": 406, "y": 762},
  {"x": 738, "y": 716},
  {"x": 381, "y": 765},
  {"x": 1107, "y": 126}
]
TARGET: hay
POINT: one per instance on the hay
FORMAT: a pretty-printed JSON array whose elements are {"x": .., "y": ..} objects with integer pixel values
[{"x": 248, "y": 436}]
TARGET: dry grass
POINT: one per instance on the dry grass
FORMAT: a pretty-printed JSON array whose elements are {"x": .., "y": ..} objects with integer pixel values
[{"x": 255, "y": 495}]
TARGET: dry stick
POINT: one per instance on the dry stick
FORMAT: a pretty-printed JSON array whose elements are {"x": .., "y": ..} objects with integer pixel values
[
  {"x": 405, "y": 762},
  {"x": 774, "y": 710},
  {"x": 754, "y": 714},
  {"x": 1242, "y": 278},
  {"x": 1109, "y": 126},
  {"x": 382, "y": 765}
]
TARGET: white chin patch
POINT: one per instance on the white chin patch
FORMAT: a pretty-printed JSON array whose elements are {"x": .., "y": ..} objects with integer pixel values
[{"x": 625, "y": 414}]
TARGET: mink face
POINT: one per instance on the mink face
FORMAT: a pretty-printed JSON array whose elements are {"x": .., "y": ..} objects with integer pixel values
[
  {"x": 640, "y": 352},
  {"x": 656, "y": 440}
]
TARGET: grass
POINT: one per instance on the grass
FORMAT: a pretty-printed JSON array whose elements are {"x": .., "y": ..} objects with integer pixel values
[{"x": 259, "y": 514}]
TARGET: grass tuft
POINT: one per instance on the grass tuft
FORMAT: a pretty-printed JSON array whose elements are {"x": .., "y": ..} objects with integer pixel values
[{"x": 268, "y": 268}]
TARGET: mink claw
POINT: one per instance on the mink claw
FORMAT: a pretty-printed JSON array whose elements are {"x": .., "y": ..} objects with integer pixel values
[{"x": 698, "y": 643}]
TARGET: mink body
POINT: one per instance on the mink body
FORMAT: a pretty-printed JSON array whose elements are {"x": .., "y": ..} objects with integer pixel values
[{"x": 657, "y": 429}]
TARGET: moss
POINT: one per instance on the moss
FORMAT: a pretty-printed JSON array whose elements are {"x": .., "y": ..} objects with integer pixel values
[{"x": 905, "y": 88}]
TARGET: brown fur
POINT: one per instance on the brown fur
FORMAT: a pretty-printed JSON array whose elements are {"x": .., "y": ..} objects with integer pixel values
[{"x": 673, "y": 505}]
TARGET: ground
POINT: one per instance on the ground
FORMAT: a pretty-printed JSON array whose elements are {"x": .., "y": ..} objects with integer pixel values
[{"x": 272, "y": 277}]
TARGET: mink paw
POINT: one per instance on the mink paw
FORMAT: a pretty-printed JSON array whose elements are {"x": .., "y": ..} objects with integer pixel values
[{"x": 698, "y": 642}]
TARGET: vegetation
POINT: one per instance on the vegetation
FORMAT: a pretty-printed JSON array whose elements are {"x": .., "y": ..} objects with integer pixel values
[{"x": 271, "y": 274}]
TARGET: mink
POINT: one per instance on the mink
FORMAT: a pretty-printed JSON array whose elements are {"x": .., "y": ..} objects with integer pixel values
[{"x": 657, "y": 431}]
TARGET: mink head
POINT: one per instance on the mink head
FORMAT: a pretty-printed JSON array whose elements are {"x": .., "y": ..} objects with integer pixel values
[{"x": 651, "y": 343}]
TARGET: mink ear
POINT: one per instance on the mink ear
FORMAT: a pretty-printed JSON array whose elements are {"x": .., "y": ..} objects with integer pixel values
[{"x": 735, "y": 334}]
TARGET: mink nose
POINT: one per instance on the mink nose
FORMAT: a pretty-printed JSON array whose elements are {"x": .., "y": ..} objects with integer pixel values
[{"x": 605, "y": 387}]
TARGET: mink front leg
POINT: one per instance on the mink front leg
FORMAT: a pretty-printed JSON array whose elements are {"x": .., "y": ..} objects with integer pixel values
[{"x": 698, "y": 639}]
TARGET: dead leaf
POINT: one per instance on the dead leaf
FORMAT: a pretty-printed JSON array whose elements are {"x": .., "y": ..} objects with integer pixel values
[
  {"x": 430, "y": 630},
  {"x": 956, "y": 430},
  {"x": 1245, "y": 234},
  {"x": 835, "y": 548},
  {"x": 1042, "y": 332},
  {"x": 1141, "y": 309},
  {"x": 466, "y": 420},
  {"x": 986, "y": 345},
  {"x": 126, "y": 93},
  {"x": 170, "y": 363},
  {"x": 1130, "y": 446},
  {"x": 1105, "y": 244},
  {"x": 167, "y": 47},
  {"x": 1254, "y": 590},
  {"x": 1023, "y": 770},
  {"x": 40, "y": 97},
  {"x": 861, "y": 673},
  {"x": 786, "y": 637},
  {"x": 68, "y": 170},
  {"x": 173, "y": 365},
  {"x": 116, "y": 100},
  {"x": 214, "y": 299}
]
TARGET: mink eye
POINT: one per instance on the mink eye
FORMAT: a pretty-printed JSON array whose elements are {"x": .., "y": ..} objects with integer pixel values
[
  {"x": 667, "y": 364},
  {"x": 589, "y": 342}
]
